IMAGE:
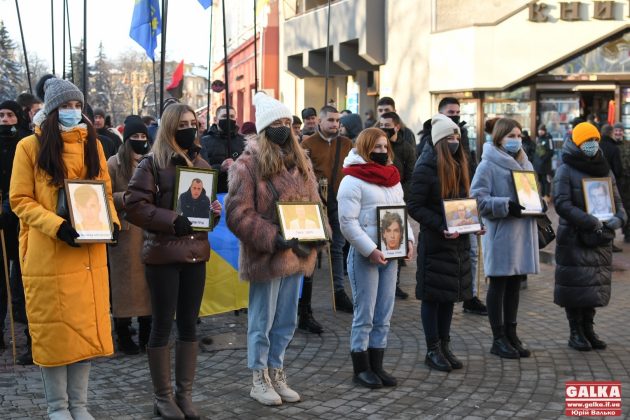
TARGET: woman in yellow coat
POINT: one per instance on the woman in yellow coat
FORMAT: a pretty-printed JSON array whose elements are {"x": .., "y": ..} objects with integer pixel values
[{"x": 65, "y": 284}]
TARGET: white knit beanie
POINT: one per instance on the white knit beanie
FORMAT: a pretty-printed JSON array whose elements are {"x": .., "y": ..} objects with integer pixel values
[
  {"x": 269, "y": 110},
  {"x": 442, "y": 127}
]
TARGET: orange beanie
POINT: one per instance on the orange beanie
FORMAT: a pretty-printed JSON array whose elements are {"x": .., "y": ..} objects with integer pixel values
[{"x": 584, "y": 132}]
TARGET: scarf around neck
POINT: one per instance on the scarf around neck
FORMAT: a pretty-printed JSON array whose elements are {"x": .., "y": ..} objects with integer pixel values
[
  {"x": 595, "y": 166},
  {"x": 386, "y": 176}
]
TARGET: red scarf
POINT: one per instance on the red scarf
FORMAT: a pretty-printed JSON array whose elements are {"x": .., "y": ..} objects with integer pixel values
[{"x": 371, "y": 172}]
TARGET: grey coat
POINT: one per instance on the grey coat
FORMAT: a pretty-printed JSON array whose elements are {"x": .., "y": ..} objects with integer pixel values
[{"x": 510, "y": 246}]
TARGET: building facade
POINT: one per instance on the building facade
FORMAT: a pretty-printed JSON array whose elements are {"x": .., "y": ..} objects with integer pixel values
[{"x": 542, "y": 62}]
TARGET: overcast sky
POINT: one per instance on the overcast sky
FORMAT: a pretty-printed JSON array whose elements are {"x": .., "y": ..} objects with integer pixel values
[{"x": 108, "y": 21}]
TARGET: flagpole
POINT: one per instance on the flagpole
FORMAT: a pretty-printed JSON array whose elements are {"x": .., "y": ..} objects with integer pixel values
[
  {"x": 209, "y": 69},
  {"x": 225, "y": 63},
  {"x": 85, "y": 76},
  {"x": 162, "y": 55},
  {"x": 69, "y": 40},
  {"x": 327, "y": 72},
  {"x": 63, "y": 37},
  {"x": 155, "y": 100},
  {"x": 255, "y": 51},
  {"x": 52, "y": 29},
  {"x": 28, "y": 71}
]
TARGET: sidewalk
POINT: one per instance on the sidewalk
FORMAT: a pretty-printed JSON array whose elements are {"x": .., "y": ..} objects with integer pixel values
[{"x": 319, "y": 367}]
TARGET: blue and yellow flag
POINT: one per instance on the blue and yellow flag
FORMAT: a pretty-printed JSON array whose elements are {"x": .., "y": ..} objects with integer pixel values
[
  {"x": 146, "y": 25},
  {"x": 223, "y": 292}
]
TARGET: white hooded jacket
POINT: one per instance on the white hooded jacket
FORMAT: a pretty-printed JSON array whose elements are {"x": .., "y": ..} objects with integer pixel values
[{"x": 358, "y": 201}]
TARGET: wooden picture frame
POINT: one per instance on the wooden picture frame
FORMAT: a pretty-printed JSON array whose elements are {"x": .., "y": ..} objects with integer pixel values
[
  {"x": 598, "y": 197},
  {"x": 388, "y": 236},
  {"x": 191, "y": 198},
  {"x": 303, "y": 220},
  {"x": 89, "y": 212},
  {"x": 527, "y": 192},
  {"x": 462, "y": 215}
]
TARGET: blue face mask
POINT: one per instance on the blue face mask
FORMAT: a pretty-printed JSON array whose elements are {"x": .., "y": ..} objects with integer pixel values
[
  {"x": 590, "y": 148},
  {"x": 512, "y": 145},
  {"x": 69, "y": 117}
]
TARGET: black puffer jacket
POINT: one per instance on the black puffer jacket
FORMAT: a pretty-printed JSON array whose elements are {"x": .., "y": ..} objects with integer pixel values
[
  {"x": 215, "y": 149},
  {"x": 444, "y": 270},
  {"x": 582, "y": 273},
  {"x": 611, "y": 151}
]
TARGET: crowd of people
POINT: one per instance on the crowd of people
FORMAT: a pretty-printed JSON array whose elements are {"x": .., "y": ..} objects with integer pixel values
[{"x": 155, "y": 265}]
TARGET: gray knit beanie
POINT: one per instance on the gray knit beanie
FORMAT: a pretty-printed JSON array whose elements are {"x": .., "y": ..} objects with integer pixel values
[
  {"x": 618, "y": 125},
  {"x": 57, "y": 92}
]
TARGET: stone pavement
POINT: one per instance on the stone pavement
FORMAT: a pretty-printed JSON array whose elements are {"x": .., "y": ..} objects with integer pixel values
[{"x": 319, "y": 367}]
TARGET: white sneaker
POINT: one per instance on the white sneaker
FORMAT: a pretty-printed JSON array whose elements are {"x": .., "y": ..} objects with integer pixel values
[
  {"x": 279, "y": 381},
  {"x": 263, "y": 391}
]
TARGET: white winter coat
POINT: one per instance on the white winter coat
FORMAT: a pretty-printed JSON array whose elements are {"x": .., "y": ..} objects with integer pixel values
[{"x": 358, "y": 201}]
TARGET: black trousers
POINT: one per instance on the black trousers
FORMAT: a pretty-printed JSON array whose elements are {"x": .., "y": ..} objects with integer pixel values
[
  {"x": 502, "y": 299},
  {"x": 436, "y": 319},
  {"x": 176, "y": 290}
]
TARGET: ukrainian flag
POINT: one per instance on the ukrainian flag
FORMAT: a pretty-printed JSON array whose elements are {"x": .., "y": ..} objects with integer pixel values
[{"x": 224, "y": 292}]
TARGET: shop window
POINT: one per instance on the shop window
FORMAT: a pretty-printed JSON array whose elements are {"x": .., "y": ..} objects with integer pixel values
[
  {"x": 625, "y": 112},
  {"x": 609, "y": 57},
  {"x": 519, "y": 111},
  {"x": 519, "y": 94}
]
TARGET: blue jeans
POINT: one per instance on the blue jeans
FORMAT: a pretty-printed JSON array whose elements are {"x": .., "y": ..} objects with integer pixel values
[
  {"x": 474, "y": 257},
  {"x": 271, "y": 320},
  {"x": 373, "y": 293},
  {"x": 336, "y": 248}
]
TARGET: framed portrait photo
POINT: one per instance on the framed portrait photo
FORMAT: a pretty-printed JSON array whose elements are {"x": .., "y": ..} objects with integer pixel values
[
  {"x": 89, "y": 211},
  {"x": 195, "y": 189},
  {"x": 392, "y": 231},
  {"x": 462, "y": 215},
  {"x": 527, "y": 191},
  {"x": 598, "y": 197},
  {"x": 302, "y": 220}
]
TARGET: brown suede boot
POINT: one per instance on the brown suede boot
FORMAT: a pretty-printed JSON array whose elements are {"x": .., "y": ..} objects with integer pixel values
[
  {"x": 160, "y": 367},
  {"x": 185, "y": 364}
]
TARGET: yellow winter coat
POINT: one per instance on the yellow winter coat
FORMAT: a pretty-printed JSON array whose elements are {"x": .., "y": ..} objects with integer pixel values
[{"x": 66, "y": 288}]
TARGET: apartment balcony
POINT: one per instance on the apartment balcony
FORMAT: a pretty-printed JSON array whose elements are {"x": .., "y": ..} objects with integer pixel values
[{"x": 357, "y": 39}]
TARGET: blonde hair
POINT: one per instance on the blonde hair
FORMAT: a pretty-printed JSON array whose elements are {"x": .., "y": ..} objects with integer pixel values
[
  {"x": 367, "y": 140},
  {"x": 165, "y": 145},
  {"x": 271, "y": 159}
]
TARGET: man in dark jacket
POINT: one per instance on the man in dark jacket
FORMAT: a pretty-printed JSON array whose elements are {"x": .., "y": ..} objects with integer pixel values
[
  {"x": 223, "y": 145},
  {"x": 102, "y": 130},
  {"x": 624, "y": 181},
  {"x": 542, "y": 161},
  {"x": 611, "y": 151},
  {"x": 12, "y": 123},
  {"x": 450, "y": 107},
  {"x": 404, "y": 160},
  {"x": 387, "y": 104}
]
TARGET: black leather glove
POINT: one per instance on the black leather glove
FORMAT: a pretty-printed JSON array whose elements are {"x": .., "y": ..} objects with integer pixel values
[
  {"x": 301, "y": 249},
  {"x": 317, "y": 244},
  {"x": 614, "y": 223},
  {"x": 115, "y": 235},
  {"x": 515, "y": 209},
  {"x": 182, "y": 226},
  {"x": 67, "y": 234},
  {"x": 282, "y": 244}
]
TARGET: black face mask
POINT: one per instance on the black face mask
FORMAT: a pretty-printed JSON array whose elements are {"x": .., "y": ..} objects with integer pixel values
[
  {"x": 139, "y": 147},
  {"x": 8, "y": 130},
  {"x": 227, "y": 125},
  {"x": 186, "y": 137},
  {"x": 454, "y": 118},
  {"x": 278, "y": 135},
  {"x": 452, "y": 147},
  {"x": 380, "y": 158},
  {"x": 389, "y": 132}
]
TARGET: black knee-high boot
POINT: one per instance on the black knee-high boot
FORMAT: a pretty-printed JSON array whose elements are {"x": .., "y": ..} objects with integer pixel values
[
  {"x": 588, "y": 314},
  {"x": 577, "y": 340},
  {"x": 305, "y": 312}
]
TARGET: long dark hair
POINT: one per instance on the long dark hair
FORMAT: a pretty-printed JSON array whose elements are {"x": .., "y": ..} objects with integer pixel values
[
  {"x": 50, "y": 158},
  {"x": 452, "y": 170},
  {"x": 125, "y": 155}
]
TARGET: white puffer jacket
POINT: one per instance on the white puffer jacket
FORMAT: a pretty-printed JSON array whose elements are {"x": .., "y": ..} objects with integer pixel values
[{"x": 358, "y": 201}]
